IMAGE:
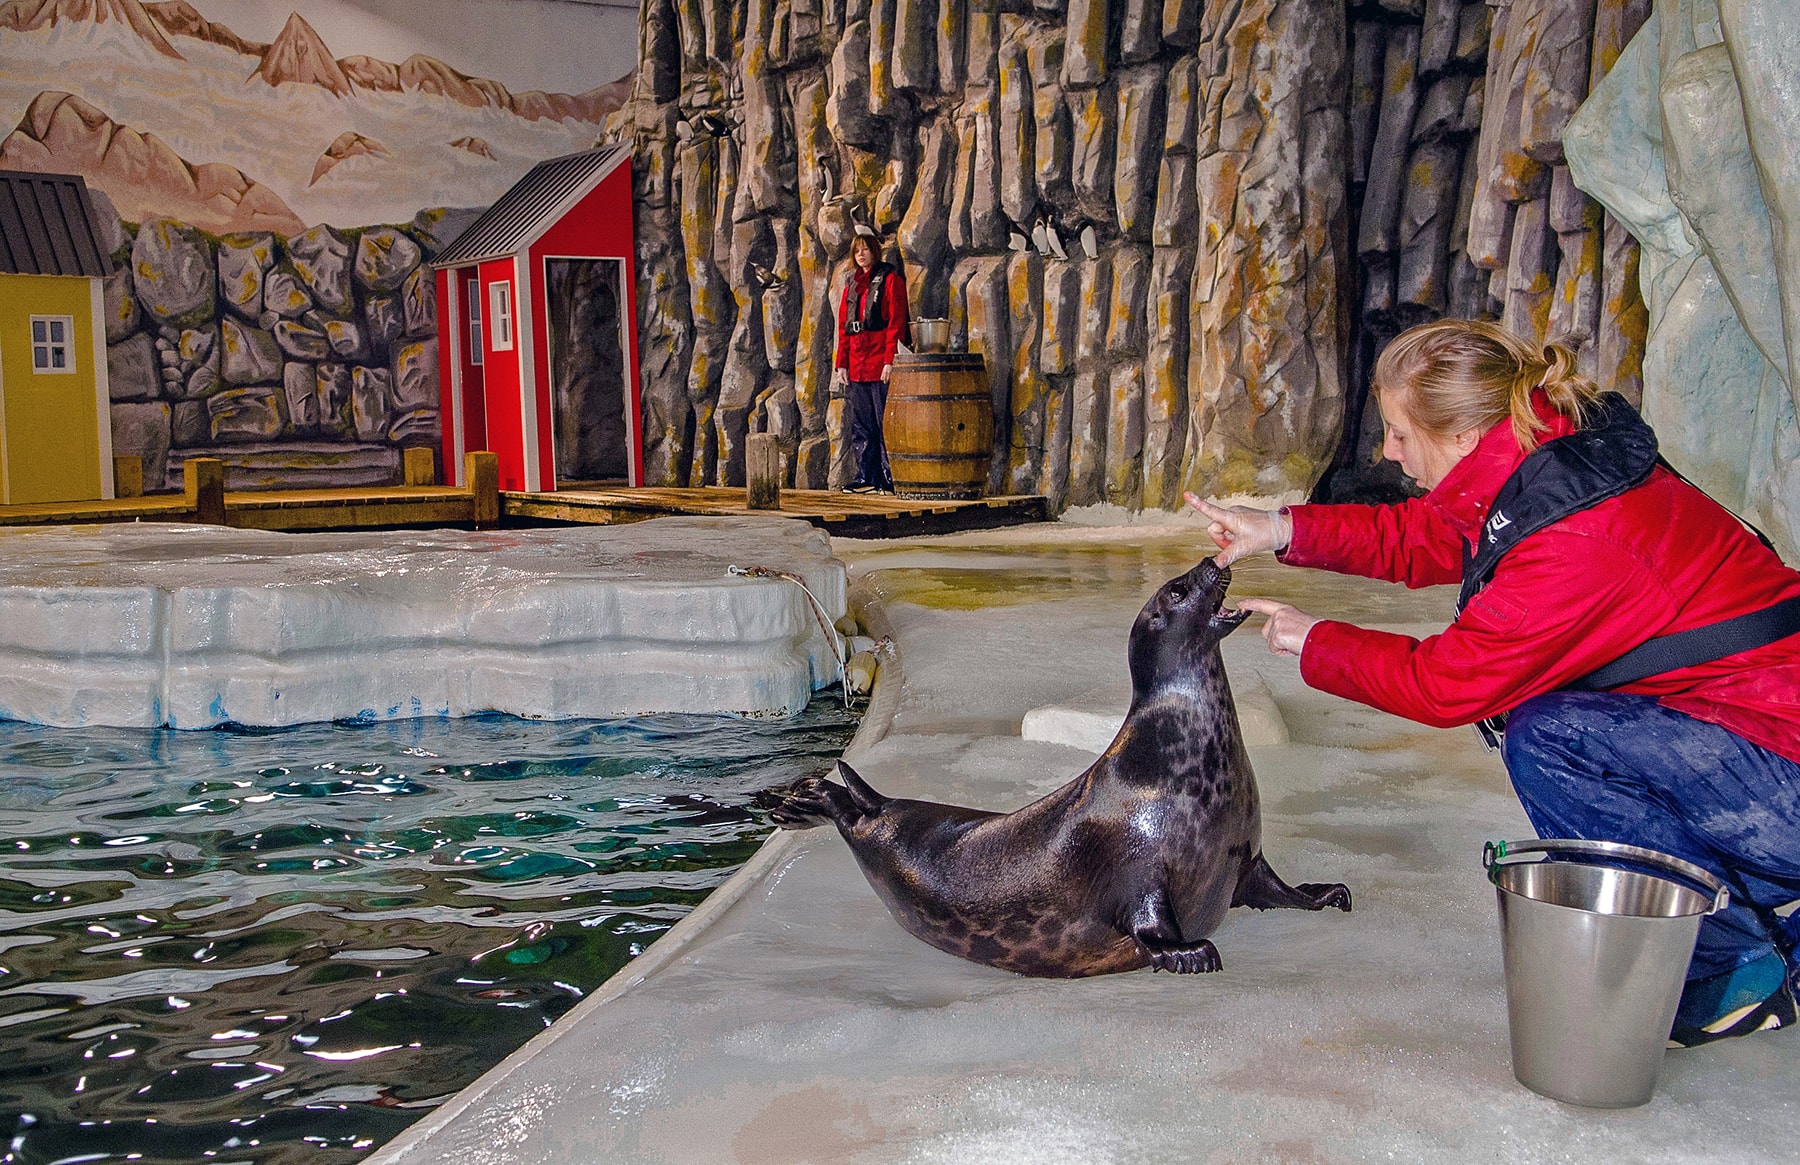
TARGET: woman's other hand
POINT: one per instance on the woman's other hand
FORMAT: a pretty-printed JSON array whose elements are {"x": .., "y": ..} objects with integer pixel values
[
  {"x": 887, "y": 370},
  {"x": 840, "y": 376},
  {"x": 1287, "y": 628},
  {"x": 1241, "y": 531}
]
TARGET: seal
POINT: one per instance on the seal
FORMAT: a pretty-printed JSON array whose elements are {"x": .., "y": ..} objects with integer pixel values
[{"x": 1131, "y": 864}]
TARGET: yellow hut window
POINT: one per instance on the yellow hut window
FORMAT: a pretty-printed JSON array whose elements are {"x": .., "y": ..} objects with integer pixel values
[{"x": 52, "y": 348}]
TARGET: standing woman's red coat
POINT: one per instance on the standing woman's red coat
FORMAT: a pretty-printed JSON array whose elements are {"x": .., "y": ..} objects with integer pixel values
[{"x": 863, "y": 355}]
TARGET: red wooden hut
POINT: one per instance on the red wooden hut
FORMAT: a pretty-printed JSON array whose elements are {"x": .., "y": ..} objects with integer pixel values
[{"x": 537, "y": 311}]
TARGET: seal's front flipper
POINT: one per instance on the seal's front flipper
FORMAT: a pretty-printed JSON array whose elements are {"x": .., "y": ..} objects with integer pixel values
[
  {"x": 1261, "y": 888},
  {"x": 1154, "y": 928},
  {"x": 1197, "y": 959}
]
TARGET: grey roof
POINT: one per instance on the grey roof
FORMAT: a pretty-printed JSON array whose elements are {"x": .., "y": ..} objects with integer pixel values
[
  {"x": 527, "y": 207},
  {"x": 47, "y": 226}
]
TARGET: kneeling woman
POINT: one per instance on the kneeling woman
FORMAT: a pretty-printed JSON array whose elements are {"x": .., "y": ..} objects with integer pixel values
[{"x": 1585, "y": 556}]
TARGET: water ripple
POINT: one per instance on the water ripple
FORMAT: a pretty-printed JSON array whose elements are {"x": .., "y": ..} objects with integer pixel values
[{"x": 277, "y": 946}]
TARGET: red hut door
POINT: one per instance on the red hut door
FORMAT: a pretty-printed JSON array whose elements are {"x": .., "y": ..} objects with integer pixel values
[
  {"x": 589, "y": 384},
  {"x": 473, "y": 399}
]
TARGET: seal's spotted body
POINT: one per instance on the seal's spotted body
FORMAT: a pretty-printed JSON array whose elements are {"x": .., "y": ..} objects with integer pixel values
[{"x": 1131, "y": 864}]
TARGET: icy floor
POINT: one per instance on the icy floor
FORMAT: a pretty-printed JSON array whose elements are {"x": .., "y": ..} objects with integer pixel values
[
  {"x": 798, "y": 1023},
  {"x": 140, "y": 626}
]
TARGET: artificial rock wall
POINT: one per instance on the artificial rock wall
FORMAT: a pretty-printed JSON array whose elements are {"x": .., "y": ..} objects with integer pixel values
[
  {"x": 1180, "y": 230},
  {"x": 1694, "y": 142},
  {"x": 1136, "y": 210},
  {"x": 304, "y": 360},
  {"x": 1464, "y": 201}
]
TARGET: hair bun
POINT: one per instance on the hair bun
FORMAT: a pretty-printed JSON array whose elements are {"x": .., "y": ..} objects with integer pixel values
[{"x": 1558, "y": 362}]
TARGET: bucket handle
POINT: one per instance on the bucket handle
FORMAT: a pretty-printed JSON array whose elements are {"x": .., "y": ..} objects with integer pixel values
[{"x": 1495, "y": 853}]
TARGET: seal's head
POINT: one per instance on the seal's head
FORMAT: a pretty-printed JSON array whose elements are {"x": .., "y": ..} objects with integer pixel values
[{"x": 1181, "y": 624}]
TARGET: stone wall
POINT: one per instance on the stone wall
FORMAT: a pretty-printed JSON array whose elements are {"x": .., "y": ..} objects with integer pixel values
[
  {"x": 1135, "y": 210},
  {"x": 306, "y": 360},
  {"x": 1465, "y": 205},
  {"x": 1180, "y": 232}
]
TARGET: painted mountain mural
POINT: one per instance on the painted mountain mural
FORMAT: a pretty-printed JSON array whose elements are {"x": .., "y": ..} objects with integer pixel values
[
  {"x": 62, "y": 134},
  {"x": 171, "y": 113},
  {"x": 272, "y": 303}
]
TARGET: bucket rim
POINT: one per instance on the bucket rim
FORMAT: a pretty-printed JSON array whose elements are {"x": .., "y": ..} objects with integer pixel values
[{"x": 1495, "y": 854}]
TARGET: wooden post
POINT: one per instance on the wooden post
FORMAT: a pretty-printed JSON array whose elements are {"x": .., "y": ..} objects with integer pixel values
[
  {"x": 204, "y": 478},
  {"x": 128, "y": 477},
  {"x": 418, "y": 466},
  {"x": 762, "y": 471},
  {"x": 482, "y": 472}
]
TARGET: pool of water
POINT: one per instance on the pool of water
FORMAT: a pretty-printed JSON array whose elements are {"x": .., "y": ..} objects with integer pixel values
[{"x": 287, "y": 945}]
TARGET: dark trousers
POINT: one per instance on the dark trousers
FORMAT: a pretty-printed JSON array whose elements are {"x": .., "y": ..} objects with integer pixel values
[
  {"x": 1611, "y": 767},
  {"x": 864, "y": 402}
]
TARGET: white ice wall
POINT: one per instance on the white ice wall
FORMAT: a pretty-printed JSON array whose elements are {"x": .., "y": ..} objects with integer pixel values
[{"x": 190, "y": 627}]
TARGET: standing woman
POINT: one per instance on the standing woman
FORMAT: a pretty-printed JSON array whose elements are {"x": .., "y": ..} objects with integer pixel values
[
  {"x": 1582, "y": 560},
  {"x": 872, "y": 324}
]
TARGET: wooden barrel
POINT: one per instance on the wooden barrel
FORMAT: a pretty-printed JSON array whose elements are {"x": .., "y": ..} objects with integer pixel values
[{"x": 939, "y": 425}]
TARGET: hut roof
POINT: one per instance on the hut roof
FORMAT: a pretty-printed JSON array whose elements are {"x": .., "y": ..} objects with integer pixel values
[
  {"x": 534, "y": 202},
  {"x": 47, "y": 226}
]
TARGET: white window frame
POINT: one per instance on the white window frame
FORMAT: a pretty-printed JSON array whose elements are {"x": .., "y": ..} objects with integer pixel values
[
  {"x": 500, "y": 315},
  {"x": 473, "y": 286},
  {"x": 48, "y": 347}
]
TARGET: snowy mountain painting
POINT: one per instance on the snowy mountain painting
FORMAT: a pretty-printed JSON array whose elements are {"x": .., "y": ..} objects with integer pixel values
[{"x": 170, "y": 113}]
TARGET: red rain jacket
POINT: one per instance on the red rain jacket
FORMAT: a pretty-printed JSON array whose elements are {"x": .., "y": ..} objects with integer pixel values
[
  {"x": 1661, "y": 557},
  {"x": 863, "y": 355}
]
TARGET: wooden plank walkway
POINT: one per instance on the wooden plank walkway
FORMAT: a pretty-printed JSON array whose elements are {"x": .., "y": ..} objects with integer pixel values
[
  {"x": 845, "y": 515},
  {"x": 207, "y": 501}
]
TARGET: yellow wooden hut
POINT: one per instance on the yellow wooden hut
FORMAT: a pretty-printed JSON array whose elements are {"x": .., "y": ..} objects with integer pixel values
[{"x": 55, "y": 411}]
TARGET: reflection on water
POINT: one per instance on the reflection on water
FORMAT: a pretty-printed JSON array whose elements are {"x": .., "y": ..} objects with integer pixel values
[
  {"x": 978, "y": 571},
  {"x": 285, "y": 945}
]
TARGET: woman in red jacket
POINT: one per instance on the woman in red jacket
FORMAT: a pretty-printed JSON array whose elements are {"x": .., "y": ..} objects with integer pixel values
[
  {"x": 1582, "y": 558},
  {"x": 872, "y": 324}
]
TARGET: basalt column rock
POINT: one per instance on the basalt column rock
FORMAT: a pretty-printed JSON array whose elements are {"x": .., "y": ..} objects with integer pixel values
[
  {"x": 1030, "y": 391},
  {"x": 817, "y": 330},
  {"x": 924, "y": 234},
  {"x": 665, "y": 327},
  {"x": 1141, "y": 91},
  {"x": 1093, "y": 116},
  {"x": 1266, "y": 361},
  {"x": 1018, "y": 130},
  {"x": 1090, "y": 394},
  {"x": 981, "y": 322}
]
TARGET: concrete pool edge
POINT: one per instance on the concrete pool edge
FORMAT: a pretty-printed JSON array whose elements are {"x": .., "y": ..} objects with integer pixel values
[{"x": 776, "y": 849}]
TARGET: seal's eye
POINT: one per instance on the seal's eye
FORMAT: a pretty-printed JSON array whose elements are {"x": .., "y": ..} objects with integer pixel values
[{"x": 1178, "y": 592}]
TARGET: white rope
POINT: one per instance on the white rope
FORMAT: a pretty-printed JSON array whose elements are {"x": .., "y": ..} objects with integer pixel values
[{"x": 839, "y": 648}]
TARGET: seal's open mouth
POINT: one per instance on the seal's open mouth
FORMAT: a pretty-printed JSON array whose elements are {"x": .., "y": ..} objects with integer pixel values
[{"x": 1221, "y": 617}]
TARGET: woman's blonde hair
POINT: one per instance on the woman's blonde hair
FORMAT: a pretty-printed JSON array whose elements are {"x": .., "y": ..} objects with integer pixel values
[{"x": 1455, "y": 375}]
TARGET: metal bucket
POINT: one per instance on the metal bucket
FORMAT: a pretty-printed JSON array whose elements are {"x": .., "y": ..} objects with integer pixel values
[
  {"x": 931, "y": 335},
  {"x": 1596, "y": 952}
]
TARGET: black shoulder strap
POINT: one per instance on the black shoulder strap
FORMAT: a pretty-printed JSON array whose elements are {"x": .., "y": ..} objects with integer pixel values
[
  {"x": 1614, "y": 452},
  {"x": 1696, "y": 645}
]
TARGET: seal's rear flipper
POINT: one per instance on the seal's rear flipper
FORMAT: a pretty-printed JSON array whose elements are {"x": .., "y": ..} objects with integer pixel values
[
  {"x": 807, "y": 802},
  {"x": 866, "y": 799},
  {"x": 1261, "y": 888}
]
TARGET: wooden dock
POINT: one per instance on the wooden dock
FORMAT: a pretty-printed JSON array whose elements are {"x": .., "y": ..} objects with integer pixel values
[
  {"x": 206, "y": 501},
  {"x": 844, "y": 515}
]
